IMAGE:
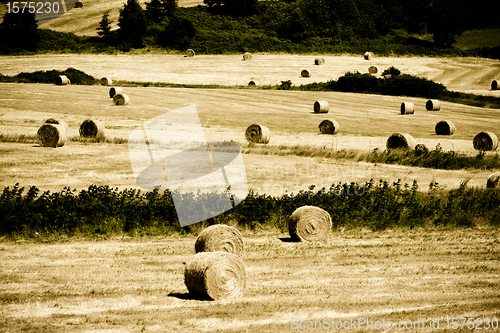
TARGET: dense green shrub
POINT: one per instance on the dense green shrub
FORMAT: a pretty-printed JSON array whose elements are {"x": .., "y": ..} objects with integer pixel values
[{"x": 76, "y": 77}]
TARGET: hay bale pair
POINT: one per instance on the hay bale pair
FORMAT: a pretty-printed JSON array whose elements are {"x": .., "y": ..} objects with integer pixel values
[
  {"x": 430, "y": 105},
  {"x": 119, "y": 98},
  {"x": 258, "y": 134},
  {"x": 53, "y": 133},
  {"x": 485, "y": 141},
  {"x": 309, "y": 223}
]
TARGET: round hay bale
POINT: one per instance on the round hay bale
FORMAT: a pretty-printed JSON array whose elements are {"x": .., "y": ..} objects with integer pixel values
[
  {"x": 106, "y": 81},
  {"x": 252, "y": 83},
  {"x": 372, "y": 70},
  {"x": 445, "y": 127},
  {"x": 78, "y": 4},
  {"x": 247, "y": 56},
  {"x": 57, "y": 122},
  {"x": 62, "y": 80},
  {"x": 258, "y": 134},
  {"x": 321, "y": 107},
  {"x": 400, "y": 141},
  {"x": 433, "y": 105},
  {"x": 493, "y": 180},
  {"x": 114, "y": 91},
  {"x": 319, "y": 61},
  {"x": 92, "y": 128},
  {"x": 309, "y": 223},
  {"x": 121, "y": 99},
  {"x": 215, "y": 275},
  {"x": 190, "y": 53},
  {"x": 369, "y": 55},
  {"x": 52, "y": 135},
  {"x": 407, "y": 108},
  {"x": 485, "y": 141},
  {"x": 494, "y": 85},
  {"x": 305, "y": 73},
  {"x": 220, "y": 237},
  {"x": 329, "y": 127}
]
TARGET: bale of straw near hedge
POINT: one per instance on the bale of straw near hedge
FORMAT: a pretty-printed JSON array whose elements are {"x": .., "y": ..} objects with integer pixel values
[
  {"x": 407, "y": 108},
  {"x": 79, "y": 4},
  {"x": 114, "y": 91},
  {"x": 190, "y": 53},
  {"x": 121, "y": 99},
  {"x": 485, "y": 141},
  {"x": 216, "y": 275},
  {"x": 493, "y": 180},
  {"x": 494, "y": 85},
  {"x": 62, "y": 80},
  {"x": 321, "y": 107},
  {"x": 106, "y": 81},
  {"x": 92, "y": 128},
  {"x": 220, "y": 237},
  {"x": 329, "y": 127},
  {"x": 319, "y": 61},
  {"x": 52, "y": 135},
  {"x": 372, "y": 70},
  {"x": 305, "y": 73},
  {"x": 309, "y": 223},
  {"x": 247, "y": 56},
  {"x": 57, "y": 122},
  {"x": 252, "y": 83},
  {"x": 401, "y": 141},
  {"x": 433, "y": 105},
  {"x": 369, "y": 55},
  {"x": 445, "y": 127},
  {"x": 258, "y": 134}
]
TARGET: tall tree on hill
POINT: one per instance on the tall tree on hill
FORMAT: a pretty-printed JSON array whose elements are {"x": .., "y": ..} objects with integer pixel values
[
  {"x": 104, "y": 28},
  {"x": 157, "y": 10},
  {"x": 19, "y": 30},
  {"x": 132, "y": 23},
  {"x": 446, "y": 19}
]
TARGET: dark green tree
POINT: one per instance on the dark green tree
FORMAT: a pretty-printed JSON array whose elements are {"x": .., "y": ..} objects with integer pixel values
[
  {"x": 133, "y": 24},
  {"x": 104, "y": 28},
  {"x": 446, "y": 20},
  {"x": 157, "y": 10},
  {"x": 233, "y": 7},
  {"x": 19, "y": 31},
  {"x": 178, "y": 33}
]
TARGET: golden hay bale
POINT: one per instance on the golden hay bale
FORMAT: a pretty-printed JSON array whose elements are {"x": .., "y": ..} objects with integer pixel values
[
  {"x": 372, "y": 70},
  {"x": 258, "y": 134},
  {"x": 252, "y": 83},
  {"x": 309, "y": 223},
  {"x": 433, "y": 105},
  {"x": 114, "y": 91},
  {"x": 445, "y": 127},
  {"x": 494, "y": 85},
  {"x": 305, "y": 73},
  {"x": 62, "y": 80},
  {"x": 407, "y": 108},
  {"x": 493, "y": 180},
  {"x": 216, "y": 275},
  {"x": 106, "y": 81},
  {"x": 52, "y": 135},
  {"x": 247, "y": 56},
  {"x": 329, "y": 127},
  {"x": 92, "y": 128},
  {"x": 319, "y": 61},
  {"x": 401, "y": 140},
  {"x": 369, "y": 55},
  {"x": 57, "y": 122},
  {"x": 121, "y": 99},
  {"x": 321, "y": 107},
  {"x": 78, "y": 4},
  {"x": 220, "y": 237},
  {"x": 190, "y": 53},
  {"x": 485, "y": 141}
]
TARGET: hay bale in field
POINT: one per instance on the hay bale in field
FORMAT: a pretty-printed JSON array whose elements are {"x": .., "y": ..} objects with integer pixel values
[
  {"x": 305, "y": 73},
  {"x": 329, "y": 127},
  {"x": 445, "y": 127},
  {"x": 92, "y": 128},
  {"x": 433, "y": 105},
  {"x": 372, "y": 70},
  {"x": 121, "y": 99},
  {"x": 407, "y": 108},
  {"x": 57, "y": 122},
  {"x": 319, "y": 61},
  {"x": 106, "y": 81},
  {"x": 309, "y": 223},
  {"x": 252, "y": 83},
  {"x": 190, "y": 53},
  {"x": 494, "y": 85},
  {"x": 52, "y": 135},
  {"x": 220, "y": 237},
  {"x": 114, "y": 91},
  {"x": 493, "y": 180},
  {"x": 369, "y": 55},
  {"x": 79, "y": 4},
  {"x": 216, "y": 275},
  {"x": 62, "y": 80},
  {"x": 258, "y": 134},
  {"x": 485, "y": 141},
  {"x": 247, "y": 56},
  {"x": 400, "y": 141},
  {"x": 321, "y": 107}
]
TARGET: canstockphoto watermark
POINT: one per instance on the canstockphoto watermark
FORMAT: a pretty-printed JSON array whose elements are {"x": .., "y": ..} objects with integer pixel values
[
  {"x": 171, "y": 152},
  {"x": 359, "y": 324}
]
